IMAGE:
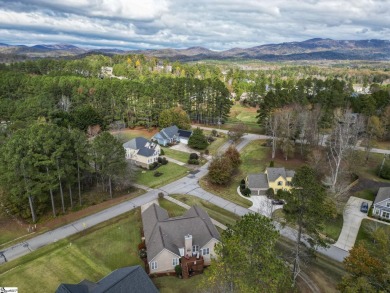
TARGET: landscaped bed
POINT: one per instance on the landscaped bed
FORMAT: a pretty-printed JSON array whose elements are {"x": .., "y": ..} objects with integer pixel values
[{"x": 90, "y": 254}]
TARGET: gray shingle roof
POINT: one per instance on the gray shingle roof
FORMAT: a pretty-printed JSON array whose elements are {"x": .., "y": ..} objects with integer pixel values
[
  {"x": 383, "y": 193},
  {"x": 136, "y": 143},
  {"x": 258, "y": 181},
  {"x": 128, "y": 279},
  {"x": 146, "y": 152},
  {"x": 275, "y": 173},
  {"x": 171, "y": 131},
  {"x": 185, "y": 133},
  {"x": 163, "y": 232}
]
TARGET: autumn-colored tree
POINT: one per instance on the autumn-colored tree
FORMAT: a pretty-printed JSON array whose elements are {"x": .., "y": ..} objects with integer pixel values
[
  {"x": 220, "y": 170},
  {"x": 233, "y": 155},
  {"x": 237, "y": 131},
  {"x": 174, "y": 116}
]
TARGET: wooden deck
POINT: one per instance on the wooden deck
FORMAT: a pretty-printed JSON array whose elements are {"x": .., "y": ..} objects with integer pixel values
[{"x": 192, "y": 266}]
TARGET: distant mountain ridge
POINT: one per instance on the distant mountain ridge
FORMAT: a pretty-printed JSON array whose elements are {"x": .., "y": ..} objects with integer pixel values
[{"x": 313, "y": 49}]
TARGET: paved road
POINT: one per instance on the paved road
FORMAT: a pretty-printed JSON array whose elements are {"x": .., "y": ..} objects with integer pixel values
[{"x": 187, "y": 185}]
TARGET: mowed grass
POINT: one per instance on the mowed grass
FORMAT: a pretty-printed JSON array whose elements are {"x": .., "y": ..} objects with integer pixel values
[
  {"x": 91, "y": 254},
  {"x": 176, "y": 285},
  {"x": 177, "y": 155},
  {"x": 242, "y": 114},
  {"x": 216, "y": 144},
  {"x": 219, "y": 214},
  {"x": 173, "y": 209},
  {"x": 365, "y": 236},
  {"x": 171, "y": 172}
]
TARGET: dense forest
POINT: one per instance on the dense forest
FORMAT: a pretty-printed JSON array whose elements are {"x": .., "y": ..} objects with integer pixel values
[{"x": 47, "y": 106}]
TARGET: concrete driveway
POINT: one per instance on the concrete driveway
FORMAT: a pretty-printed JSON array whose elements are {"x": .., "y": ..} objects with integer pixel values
[
  {"x": 261, "y": 204},
  {"x": 352, "y": 219}
]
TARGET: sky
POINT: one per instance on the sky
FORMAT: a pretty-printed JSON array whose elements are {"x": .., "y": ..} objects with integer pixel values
[{"x": 213, "y": 24}]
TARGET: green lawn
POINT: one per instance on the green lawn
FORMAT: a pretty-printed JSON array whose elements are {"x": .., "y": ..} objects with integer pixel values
[
  {"x": 215, "y": 145},
  {"x": 91, "y": 254},
  {"x": 366, "y": 229},
  {"x": 171, "y": 172},
  {"x": 219, "y": 214},
  {"x": 176, "y": 285},
  {"x": 177, "y": 155},
  {"x": 367, "y": 194},
  {"x": 242, "y": 114},
  {"x": 368, "y": 169},
  {"x": 173, "y": 209},
  {"x": 333, "y": 227}
]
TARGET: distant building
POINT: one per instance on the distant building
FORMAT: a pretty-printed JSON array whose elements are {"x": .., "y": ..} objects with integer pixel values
[
  {"x": 106, "y": 71},
  {"x": 128, "y": 279}
]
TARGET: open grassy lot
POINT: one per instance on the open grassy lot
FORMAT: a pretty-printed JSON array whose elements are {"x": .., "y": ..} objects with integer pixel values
[
  {"x": 368, "y": 194},
  {"x": 239, "y": 113},
  {"x": 219, "y": 214},
  {"x": 128, "y": 134},
  {"x": 216, "y": 144},
  {"x": 177, "y": 155},
  {"x": 171, "y": 172},
  {"x": 368, "y": 169},
  {"x": 91, "y": 255}
]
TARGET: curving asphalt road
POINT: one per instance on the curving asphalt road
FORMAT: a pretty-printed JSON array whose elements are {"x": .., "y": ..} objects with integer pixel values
[{"x": 187, "y": 185}]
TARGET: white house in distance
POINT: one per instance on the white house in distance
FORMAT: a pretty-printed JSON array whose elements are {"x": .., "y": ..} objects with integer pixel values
[
  {"x": 187, "y": 240},
  {"x": 382, "y": 203},
  {"x": 142, "y": 151}
]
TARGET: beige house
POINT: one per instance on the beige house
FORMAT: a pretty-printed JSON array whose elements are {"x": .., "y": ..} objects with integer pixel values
[
  {"x": 275, "y": 178},
  {"x": 142, "y": 151},
  {"x": 188, "y": 240}
]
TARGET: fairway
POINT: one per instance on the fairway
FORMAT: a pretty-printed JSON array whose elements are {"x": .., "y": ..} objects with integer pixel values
[{"x": 91, "y": 254}]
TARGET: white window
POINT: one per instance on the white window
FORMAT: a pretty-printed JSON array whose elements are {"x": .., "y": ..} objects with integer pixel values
[
  {"x": 175, "y": 261},
  {"x": 153, "y": 265},
  {"x": 386, "y": 215},
  {"x": 205, "y": 251},
  {"x": 195, "y": 248}
]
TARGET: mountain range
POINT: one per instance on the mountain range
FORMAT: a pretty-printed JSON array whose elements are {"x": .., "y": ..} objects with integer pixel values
[{"x": 313, "y": 49}]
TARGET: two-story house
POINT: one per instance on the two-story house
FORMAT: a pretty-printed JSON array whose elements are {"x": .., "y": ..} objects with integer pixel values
[
  {"x": 188, "y": 240},
  {"x": 275, "y": 178},
  {"x": 381, "y": 207},
  {"x": 172, "y": 135},
  {"x": 142, "y": 151}
]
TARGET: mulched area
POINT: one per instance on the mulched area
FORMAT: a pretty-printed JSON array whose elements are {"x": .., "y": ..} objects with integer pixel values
[{"x": 364, "y": 184}]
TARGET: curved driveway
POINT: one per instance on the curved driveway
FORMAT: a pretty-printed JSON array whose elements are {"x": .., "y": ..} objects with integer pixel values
[{"x": 187, "y": 185}]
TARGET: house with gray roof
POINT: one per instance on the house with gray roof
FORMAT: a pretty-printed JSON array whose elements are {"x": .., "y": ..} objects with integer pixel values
[
  {"x": 381, "y": 207},
  {"x": 128, "y": 279},
  {"x": 172, "y": 135},
  {"x": 170, "y": 241},
  {"x": 142, "y": 151},
  {"x": 275, "y": 178}
]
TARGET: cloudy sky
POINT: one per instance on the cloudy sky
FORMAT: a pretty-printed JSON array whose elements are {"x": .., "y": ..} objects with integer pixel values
[{"x": 214, "y": 24}]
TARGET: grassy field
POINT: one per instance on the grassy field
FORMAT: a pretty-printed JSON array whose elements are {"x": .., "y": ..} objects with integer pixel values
[
  {"x": 219, "y": 214},
  {"x": 91, "y": 254},
  {"x": 173, "y": 209},
  {"x": 365, "y": 232},
  {"x": 215, "y": 145},
  {"x": 171, "y": 172},
  {"x": 368, "y": 169},
  {"x": 367, "y": 194},
  {"x": 177, "y": 155},
  {"x": 128, "y": 134}
]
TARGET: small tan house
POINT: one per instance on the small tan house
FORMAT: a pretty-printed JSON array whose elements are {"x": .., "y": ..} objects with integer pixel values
[
  {"x": 142, "y": 151},
  {"x": 275, "y": 178},
  {"x": 188, "y": 240}
]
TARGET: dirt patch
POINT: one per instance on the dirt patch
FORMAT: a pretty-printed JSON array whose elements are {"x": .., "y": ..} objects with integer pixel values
[
  {"x": 137, "y": 131},
  {"x": 364, "y": 184}
]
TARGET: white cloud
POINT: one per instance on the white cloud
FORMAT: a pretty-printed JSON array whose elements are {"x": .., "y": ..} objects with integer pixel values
[{"x": 215, "y": 24}]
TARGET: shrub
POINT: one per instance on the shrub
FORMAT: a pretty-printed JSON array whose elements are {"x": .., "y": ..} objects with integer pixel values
[
  {"x": 220, "y": 170},
  {"x": 206, "y": 152},
  {"x": 162, "y": 152},
  {"x": 214, "y": 133},
  {"x": 271, "y": 164},
  {"x": 142, "y": 253},
  {"x": 178, "y": 270},
  {"x": 246, "y": 192},
  {"x": 242, "y": 185},
  {"x": 270, "y": 192},
  {"x": 157, "y": 174},
  {"x": 210, "y": 139},
  {"x": 161, "y": 195},
  {"x": 141, "y": 245},
  {"x": 153, "y": 166},
  {"x": 233, "y": 155},
  {"x": 194, "y": 156},
  {"x": 385, "y": 172},
  {"x": 164, "y": 161},
  {"x": 193, "y": 161},
  {"x": 159, "y": 160}
]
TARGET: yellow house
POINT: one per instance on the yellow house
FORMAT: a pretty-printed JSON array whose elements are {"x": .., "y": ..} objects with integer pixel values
[
  {"x": 275, "y": 178},
  {"x": 279, "y": 178}
]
